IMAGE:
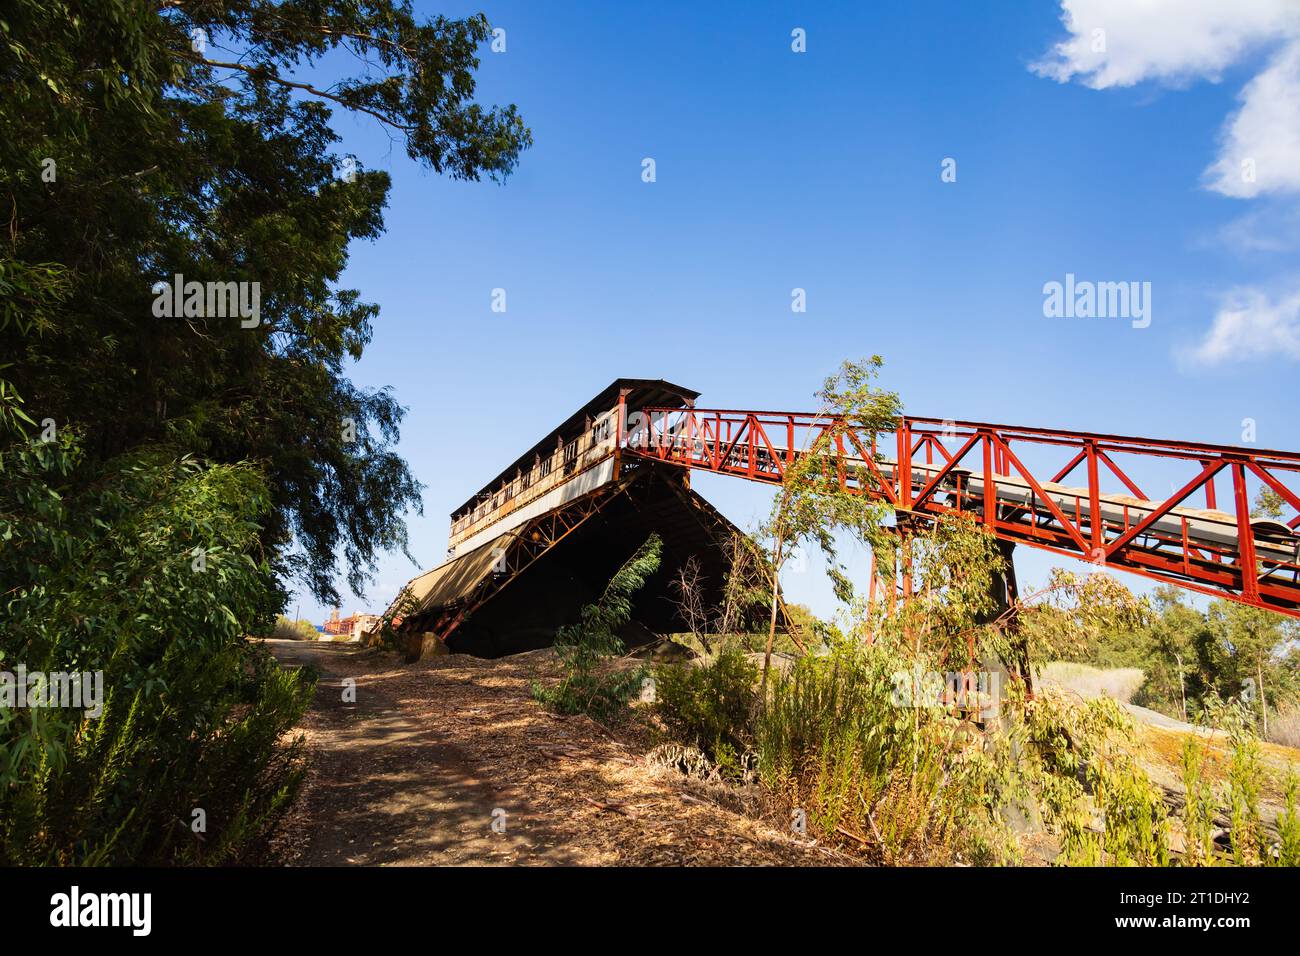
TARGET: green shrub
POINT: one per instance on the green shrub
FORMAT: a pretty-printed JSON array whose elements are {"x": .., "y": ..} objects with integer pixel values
[
  {"x": 1084, "y": 760},
  {"x": 1245, "y": 779},
  {"x": 1288, "y": 825},
  {"x": 589, "y": 685},
  {"x": 1198, "y": 808},
  {"x": 145, "y": 572},
  {"x": 1244, "y": 784},
  {"x": 910, "y": 784},
  {"x": 711, "y": 706}
]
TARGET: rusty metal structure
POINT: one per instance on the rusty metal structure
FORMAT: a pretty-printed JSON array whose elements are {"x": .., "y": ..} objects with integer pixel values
[
  {"x": 1012, "y": 480},
  {"x": 541, "y": 538},
  {"x": 545, "y": 535}
]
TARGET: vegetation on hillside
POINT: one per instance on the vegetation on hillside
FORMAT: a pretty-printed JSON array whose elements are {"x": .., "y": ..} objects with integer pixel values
[
  {"x": 1191, "y": 658},
  {"x": 911, "y": 732},
  {"x": 165, "y": 473}
]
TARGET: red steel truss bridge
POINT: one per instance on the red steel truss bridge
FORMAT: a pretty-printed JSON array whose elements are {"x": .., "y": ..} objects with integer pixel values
[
  {"x": 538, "y": 541},
  {"x": 1085, "y": 495}
]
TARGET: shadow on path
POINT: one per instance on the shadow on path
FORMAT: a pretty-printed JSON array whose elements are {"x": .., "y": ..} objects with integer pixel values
[{"x": 385, "y": 789}]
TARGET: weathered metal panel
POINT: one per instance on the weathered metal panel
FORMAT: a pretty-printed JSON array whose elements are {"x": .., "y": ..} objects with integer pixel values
[{"x": 573, "y": 488}]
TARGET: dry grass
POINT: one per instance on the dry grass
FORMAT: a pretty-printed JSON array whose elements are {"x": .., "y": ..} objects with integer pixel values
[
  {"x": 1162, "y": 750},
  {"x": 414, "y": 771},
  {"x": 1284, "y": 727},
  {"x": 1118, "y": 683}
]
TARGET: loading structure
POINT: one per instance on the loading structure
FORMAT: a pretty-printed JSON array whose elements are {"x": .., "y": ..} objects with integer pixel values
[{"x": 544, "y": 536}]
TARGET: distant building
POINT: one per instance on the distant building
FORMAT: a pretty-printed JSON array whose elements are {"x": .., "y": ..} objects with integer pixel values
[
  {"x": 363, "y": 624},
  {"x": 351, "y": 627}
]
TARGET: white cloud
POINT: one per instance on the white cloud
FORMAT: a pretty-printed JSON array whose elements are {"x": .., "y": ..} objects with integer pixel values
[
  {"x": 1270, "y": 228},
  {"x": 1169, "y": 40},
  {"x": 1117, "y": 43},
  {"x": 1250, "y": 325},
  {"x": 1260, "y": 149}
]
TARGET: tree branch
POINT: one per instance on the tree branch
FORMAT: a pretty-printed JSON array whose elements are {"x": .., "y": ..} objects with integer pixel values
[{"x": 266, "y": 73}]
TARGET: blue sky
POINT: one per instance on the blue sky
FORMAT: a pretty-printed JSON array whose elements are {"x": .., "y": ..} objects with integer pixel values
[{"x": 821, "y": 170}]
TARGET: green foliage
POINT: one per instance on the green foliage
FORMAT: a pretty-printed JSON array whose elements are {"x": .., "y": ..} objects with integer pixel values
[
  {"x": 28, "y": 295},
  {"x": 585, "y": 648},
  {"x": 812, "y": 630},
  {"x": 1199, "y": 808},
  {"x": 1084, "y": 762},
  {"x": 954, "y": 563},
  {"x": 1288, "y": 826},
  {"x": 814, "y": 502},
  {"x": 914, "y": 784},
  {"x": 129, "y": 156},
  {"x": 1073, "y": 612},
  {"x": 1243, "y": 790},
  {"x": 146, "y": 569},
  {"x": 908, "y": 783},
  {"x": 711, "y": 706},
  {"x": 1192, "y": 657},
  {"x": 1169, "y": 654},
  {"x": 1244, "y": 779},
  {"x": 289, "y": 630},
  {"x": 1253, "y": 656}
]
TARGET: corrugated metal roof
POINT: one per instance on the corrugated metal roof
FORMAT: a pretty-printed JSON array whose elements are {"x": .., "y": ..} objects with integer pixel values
[{"x": 456, "y": 579}]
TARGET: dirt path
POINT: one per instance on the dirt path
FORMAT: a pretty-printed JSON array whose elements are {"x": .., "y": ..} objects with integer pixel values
[
  {"x": 417, "y": 770},
  {"x": 383, "y": 788}
]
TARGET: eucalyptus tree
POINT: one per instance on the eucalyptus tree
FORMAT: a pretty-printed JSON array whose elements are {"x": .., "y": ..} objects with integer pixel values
[
  {"x": 816, "y": 499},
  {"x": 141, "y": 142}
]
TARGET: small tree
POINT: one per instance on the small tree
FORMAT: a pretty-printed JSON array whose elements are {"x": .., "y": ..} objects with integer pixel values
[
  {"x": 585, "y": 646},
  {"x": 817, "y": 497},
  {"x": 952, "y": 564},
  {"x": 954, "y": 617},
  {"x": 688, "y": 585},
  {"x": 1171, "y": 647},
  {"x": 1249, "y": 640},
  {"x": 745, "y": 595}
]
